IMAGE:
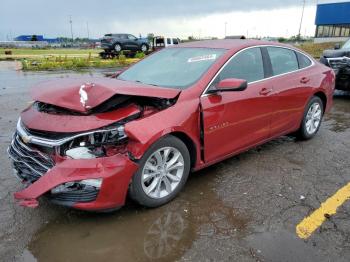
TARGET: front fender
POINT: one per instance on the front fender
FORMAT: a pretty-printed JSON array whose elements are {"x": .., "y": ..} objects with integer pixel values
[{"x": 182, "y": 117}]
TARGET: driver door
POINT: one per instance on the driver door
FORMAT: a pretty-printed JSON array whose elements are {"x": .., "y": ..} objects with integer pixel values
[{"x": 236, "y": 120}]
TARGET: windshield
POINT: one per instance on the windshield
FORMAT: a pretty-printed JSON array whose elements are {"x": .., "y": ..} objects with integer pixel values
[
  {"x": 173, "y": 67},
  {"x": 347, "y": 44}
]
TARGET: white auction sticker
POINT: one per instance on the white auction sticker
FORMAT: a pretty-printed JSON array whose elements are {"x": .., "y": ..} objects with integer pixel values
[{"x": 202, "y": 58}]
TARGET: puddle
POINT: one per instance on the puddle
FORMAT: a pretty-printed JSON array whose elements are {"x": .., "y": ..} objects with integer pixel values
[
  {"x": 339, "y": 118},
  {"x": 137, "y": 234},
  {"x": 283, "y": 246}
]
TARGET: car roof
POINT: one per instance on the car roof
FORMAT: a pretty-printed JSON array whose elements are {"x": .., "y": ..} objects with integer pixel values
[{"x": 229, "y": 44}]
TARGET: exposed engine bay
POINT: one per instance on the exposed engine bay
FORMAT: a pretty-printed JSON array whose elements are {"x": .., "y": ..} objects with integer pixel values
[{"x": 101, "y": 142}]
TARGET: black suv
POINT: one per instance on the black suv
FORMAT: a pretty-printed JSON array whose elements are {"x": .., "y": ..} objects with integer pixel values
[
  {"x": 339, "y": 60},
  {"x": 121, "y": 42}
]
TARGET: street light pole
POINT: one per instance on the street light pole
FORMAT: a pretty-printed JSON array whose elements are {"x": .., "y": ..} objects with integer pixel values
[
  {"x": 88, "y": 31},
  {"x": 225, "y": 28},
  {"x": 71, "y": 27},
  {"x": 301, "y": 19}
]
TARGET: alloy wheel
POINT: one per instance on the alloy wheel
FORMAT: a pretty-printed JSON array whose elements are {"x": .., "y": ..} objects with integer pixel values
[
  {"x": 143, "y": 48},
  {"x": 162, "y": 172},
  {"x": 117, "y": 48},
  {"x": 313, "y": 118}
]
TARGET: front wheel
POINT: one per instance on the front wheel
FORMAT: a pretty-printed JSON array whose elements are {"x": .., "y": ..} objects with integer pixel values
[
  {"x": 312, "y": 119},
  {"x": 162, "y": 173},
  {"x": 144, "y": 48}
]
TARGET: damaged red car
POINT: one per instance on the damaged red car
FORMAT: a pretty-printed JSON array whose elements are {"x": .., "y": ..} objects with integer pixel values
[{"x": 88, "y": 143}]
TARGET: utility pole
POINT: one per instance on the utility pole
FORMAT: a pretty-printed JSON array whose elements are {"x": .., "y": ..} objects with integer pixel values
[
  {"x": 301, "y": 20},
  {"x": 225, "y": 28},
  {"x": 88, "y": 31},
  {"x": 71, "y": 27}
]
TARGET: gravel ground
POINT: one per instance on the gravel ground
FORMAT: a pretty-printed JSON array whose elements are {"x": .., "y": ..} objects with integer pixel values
[{"x": 243, "y": 209}]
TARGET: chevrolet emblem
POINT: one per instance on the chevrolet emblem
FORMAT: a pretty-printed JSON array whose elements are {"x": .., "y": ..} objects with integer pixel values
[{"x": 26, "y": 139}]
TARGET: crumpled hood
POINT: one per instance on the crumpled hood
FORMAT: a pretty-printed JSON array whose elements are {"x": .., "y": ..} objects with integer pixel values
[
  {"x": 336, "y": 53},
  {"x": 83, "y": 94}
]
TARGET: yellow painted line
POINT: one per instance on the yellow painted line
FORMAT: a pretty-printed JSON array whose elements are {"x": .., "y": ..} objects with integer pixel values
[{"x": 309, "y": 224}]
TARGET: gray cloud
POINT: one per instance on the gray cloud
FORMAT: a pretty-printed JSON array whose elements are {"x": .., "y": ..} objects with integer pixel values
[{"x": 51, "y": 17}]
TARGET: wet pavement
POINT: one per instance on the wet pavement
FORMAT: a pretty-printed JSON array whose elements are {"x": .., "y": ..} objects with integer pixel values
[{"x": 243, "y": 209}]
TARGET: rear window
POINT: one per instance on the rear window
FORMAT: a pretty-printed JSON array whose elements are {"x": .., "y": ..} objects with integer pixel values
[
  {"x": 283, "y": 60},
  {"x": 304, "y": 61}
]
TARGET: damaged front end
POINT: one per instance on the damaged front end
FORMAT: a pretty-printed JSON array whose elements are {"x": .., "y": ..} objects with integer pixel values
[
  {"x": 78, "y": 159},
  {"x": 341, "y": 67},
  {"x": 71, "y": 170}
]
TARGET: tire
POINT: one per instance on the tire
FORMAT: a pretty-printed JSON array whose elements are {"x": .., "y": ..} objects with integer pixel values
[
  {"x": 311, "y": 121},
  {"x": 144, "y": 48},
  {"x": 144, "y": 179},
  {"x": 117, "y": 48}
]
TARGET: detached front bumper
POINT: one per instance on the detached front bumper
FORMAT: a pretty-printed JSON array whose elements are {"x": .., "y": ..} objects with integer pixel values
[{"x": 116, "y": 172}]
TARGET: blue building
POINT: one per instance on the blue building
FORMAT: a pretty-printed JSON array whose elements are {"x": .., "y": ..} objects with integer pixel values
[
  {"x": 35, "y": 38},
  {"x": 332, "y": 22}
]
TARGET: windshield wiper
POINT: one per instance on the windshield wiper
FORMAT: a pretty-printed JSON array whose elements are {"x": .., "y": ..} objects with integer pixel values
[{"x": 138, "y": 81}]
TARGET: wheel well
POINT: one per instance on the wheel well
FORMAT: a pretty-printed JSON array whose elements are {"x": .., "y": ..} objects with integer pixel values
[
  {"x": 189, "y": 144},
  {"x": 323, "y": 97}
]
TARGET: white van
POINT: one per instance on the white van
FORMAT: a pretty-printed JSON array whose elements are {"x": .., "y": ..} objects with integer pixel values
[{"x": 160, "y": 42}]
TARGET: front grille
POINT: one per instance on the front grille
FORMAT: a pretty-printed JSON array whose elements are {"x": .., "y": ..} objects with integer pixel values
[
  {"x": 30, "y": 164},
  {"x": 82, "y": 195},
  {"x": 339, "y": 63}
]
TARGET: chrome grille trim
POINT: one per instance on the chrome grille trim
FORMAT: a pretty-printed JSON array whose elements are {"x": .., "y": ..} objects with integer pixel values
[
  {"x": 52, "y": 143},
  {"x": 29, "y": 163},
  {"x": 339, "y": 62}
]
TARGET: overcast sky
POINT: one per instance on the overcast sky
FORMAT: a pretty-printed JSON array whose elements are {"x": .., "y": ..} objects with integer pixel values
[{"x": 180, "y": 18}]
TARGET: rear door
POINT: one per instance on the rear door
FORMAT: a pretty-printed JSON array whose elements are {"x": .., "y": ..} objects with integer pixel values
[
  {"x": 291, "y": 85},
  {"x": 132, "y": 43},
  {"x": 233, "y": 121}
]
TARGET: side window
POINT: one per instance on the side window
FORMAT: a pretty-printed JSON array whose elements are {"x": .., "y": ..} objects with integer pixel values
[
  {"x": 283, "y": 60},
  {"x": 131, "y": 37},
  {"x": 168, "y": 41},
  {"x": 175, "y": 41},
  {"x": 304, "y": 61},
  {"x": 247, "y": 65}
]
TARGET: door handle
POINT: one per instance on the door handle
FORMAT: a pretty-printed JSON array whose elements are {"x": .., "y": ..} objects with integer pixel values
[
  {"x": 304, "y": 80},
  {"x": 265, "y": 91}
]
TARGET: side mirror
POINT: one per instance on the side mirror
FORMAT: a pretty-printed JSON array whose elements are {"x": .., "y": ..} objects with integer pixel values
[
  {"x": 232, "y": 84},
  {"x": 337, "y": 46}
]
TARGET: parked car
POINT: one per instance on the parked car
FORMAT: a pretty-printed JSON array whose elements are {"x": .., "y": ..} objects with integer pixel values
[
  {"x": 160, "y": 42},
  {"x": 121, "y": 42},
  {"x": 339, "y": 60},
  {"x": 86, "y": 143}
]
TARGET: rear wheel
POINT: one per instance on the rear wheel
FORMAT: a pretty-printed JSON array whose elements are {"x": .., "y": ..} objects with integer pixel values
[
  {"x": 162, "y": 173},
  {"x": 312, "y": 119},
  {"x": 118, "y": 47}
]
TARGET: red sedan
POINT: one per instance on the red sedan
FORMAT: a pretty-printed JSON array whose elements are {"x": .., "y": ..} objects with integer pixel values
[{"x": 87, "y": 143}]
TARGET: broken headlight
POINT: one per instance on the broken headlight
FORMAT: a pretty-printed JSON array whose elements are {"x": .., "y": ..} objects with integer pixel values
[{"x": 94, "y": 144}]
